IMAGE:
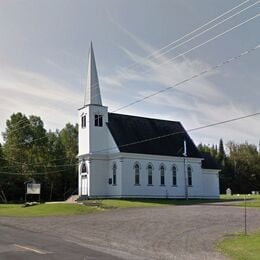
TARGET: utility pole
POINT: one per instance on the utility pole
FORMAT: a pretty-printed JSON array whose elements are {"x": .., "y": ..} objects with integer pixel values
[
  {"x": 185, "y": 175},
  {"x": 245, "y": 215}
]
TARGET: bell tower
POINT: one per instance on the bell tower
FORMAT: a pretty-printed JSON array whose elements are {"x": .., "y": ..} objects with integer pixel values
[
  {"x": 93, "y": 115},
  {"x": 93, "y": 134}
]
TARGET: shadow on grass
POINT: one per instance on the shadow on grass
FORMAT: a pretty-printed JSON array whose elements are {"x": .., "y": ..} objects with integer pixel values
[{"x": 177, "y": 202}]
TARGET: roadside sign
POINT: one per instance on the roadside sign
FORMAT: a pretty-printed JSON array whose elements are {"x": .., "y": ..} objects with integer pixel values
[{"x": 33, "y": 188}]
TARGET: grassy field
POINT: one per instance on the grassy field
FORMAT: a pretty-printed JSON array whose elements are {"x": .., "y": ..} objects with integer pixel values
[
  {"x": 239, "y": 197},
  {"x": 62, "y": 209},
  {"x": 58, "y": 209},
  {"x": 251, "y": 200},
  {"x": 92, "y": 206},
  {"x": 134, "y": 203},
  {"x": 241, "y": 247}
]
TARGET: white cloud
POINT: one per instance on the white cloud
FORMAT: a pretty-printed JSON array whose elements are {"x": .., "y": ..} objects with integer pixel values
[
  {"x": 33, "y": 93},
  {"x": 196, "y": 103}
]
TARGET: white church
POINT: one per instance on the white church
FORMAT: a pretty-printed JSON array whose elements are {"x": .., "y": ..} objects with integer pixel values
[{"x": 125, "y": 156}]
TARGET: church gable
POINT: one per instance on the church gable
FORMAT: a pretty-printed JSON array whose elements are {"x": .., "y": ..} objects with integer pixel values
[{"x": 133, "y": 130}]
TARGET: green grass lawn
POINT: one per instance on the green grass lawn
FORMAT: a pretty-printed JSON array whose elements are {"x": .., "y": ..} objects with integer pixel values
[
  {"x": 59, "y": 209},
  {"x": 121, "y": 203},
  {"x": 251, "y": 200},
  {"x": 135, "y": 203},
  {"x": 241, "y": 247},
  {"x": 239, "y": 197},
  {"x": 62, "y": 209}
]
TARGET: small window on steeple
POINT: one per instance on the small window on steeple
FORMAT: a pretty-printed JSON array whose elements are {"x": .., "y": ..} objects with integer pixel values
[
  {"x": 99, "y": 120},
  {"x": 83, "y": 121}
]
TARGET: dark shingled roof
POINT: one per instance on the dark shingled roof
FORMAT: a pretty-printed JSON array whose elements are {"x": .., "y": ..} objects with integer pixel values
[
  {"x": 209, "y": 162},
  {"x": 130, "y": 131}
]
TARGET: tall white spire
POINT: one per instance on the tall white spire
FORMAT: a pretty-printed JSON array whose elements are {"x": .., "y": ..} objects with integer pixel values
[{"x": 92, "y": 92}]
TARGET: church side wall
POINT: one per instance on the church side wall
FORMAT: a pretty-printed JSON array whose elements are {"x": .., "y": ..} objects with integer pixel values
[
  {"x": 196, "y": 190},
  {"x": 205, "y": 183},
  {"x": 129, "y": 189},
  {"x": 114, "y": 190},
  {"x": 211, "y": 183},
  {"x": 98, "y": 178}
]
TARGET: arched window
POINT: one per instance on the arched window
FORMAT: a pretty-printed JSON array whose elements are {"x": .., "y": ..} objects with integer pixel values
[
  {"x": 114, "y": 173},
  {"x": 137, "y": 174},
  {"x": 174, "y": 175},
  {"x": 83, "y": 121},
  {"x": 189, "y": 170},
  {"x": 150, "y": 174},
  {"x": 162, "y": 175},
  {"x": 83, "y": 168}
]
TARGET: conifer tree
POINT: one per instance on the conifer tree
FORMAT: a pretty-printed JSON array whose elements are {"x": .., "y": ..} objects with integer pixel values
[{"x": 221, "y": 153}]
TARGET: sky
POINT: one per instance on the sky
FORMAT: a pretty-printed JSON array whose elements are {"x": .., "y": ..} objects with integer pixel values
[{"x": 44, "y": 48}]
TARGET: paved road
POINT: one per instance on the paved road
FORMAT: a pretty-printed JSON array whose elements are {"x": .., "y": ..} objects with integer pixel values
[
  {"x": 17, "y": 243},
  {"x": 174, "y": 232}
]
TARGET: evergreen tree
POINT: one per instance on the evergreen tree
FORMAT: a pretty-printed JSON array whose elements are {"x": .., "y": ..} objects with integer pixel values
[{"x": 221, "y": 156}]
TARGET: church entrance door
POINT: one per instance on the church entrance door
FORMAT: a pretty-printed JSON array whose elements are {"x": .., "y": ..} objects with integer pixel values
[{"x": 84, "y": 184}]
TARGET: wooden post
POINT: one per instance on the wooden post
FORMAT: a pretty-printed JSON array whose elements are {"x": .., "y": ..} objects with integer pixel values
[
  {"x": 245, "y": 215},
  {"x": 51, "y": 191}
]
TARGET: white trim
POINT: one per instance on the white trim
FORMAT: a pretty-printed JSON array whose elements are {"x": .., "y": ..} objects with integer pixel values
[
  {"x": 210, "y": 171},
  {"x": 137, "y": 157}
]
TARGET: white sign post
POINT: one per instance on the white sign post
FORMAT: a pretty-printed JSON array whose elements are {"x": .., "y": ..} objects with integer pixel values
[{"x": 33, "y": 189}]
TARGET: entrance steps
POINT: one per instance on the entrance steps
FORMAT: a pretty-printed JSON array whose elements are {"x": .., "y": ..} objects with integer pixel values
[
  {"x": 83, "y": 197},
  {"x": 73, "y": 199}
]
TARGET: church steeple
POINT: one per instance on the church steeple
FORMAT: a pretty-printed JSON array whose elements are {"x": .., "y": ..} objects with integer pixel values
[{"x": 92, "y": 91}]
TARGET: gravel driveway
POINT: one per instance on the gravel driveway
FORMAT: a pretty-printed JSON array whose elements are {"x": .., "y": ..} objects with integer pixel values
[{"x": 172, "y": 232}]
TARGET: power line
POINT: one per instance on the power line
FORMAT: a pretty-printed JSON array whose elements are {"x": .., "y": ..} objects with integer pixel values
[
  {"x": 54, "y": 160},
  {"x": 182, "y": 132},
  {"x": 197, "y": 35},
  {"x": 42, "y": 164},
  {"x": 188, "y": 34},
  {"x": 32, "y": 173},
  {"x": 206, "y": 30},
  {"x": 181, "y": 54},
  {"x": 19, "y": 122},
  {"x": 196, "y": 75},
  {"x": 16, "y": 129},
  {"x": 203, "y": 43},
  {"x": 190, "y": 78},
  {"x": 176, "y": 84},
  {"x": 164, "y": 136}
]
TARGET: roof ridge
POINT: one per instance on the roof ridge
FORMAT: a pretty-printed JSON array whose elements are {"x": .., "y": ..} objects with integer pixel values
[{"x": 150, "y": 118}]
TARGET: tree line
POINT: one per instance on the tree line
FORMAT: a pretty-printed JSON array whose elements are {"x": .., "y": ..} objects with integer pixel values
[
  {"x": 239, "y": 165},
  {"x": 30, "y": 152}
]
